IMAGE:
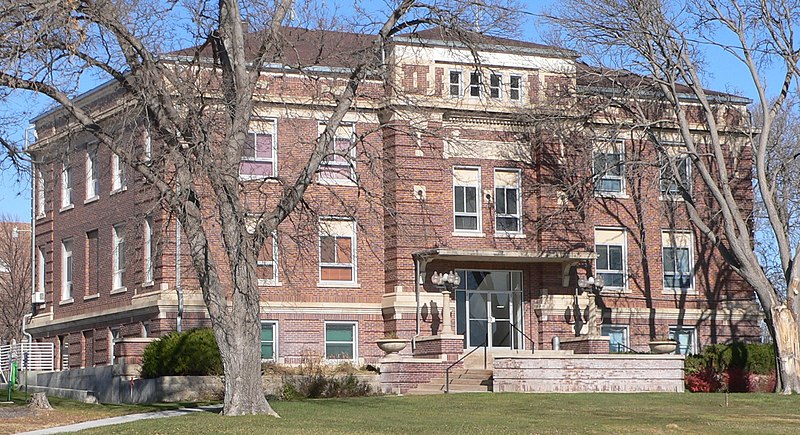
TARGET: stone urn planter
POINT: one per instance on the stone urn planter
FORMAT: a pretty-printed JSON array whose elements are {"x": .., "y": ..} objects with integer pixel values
[
  {"x": 391, "y": 346},
  {"x": 663, "y": 346}
]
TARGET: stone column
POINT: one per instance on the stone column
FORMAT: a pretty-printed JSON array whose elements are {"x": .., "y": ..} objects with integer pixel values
[{"x": 447, "y": 327}]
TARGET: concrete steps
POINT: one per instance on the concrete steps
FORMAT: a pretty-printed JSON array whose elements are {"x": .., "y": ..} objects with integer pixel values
[{"x": 461, "y": 381}]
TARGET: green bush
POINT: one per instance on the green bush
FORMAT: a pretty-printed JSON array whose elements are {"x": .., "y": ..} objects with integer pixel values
[
  {"x": 321, "y": 385},
  {"x": 751, "y": 357},
  {"x": 190, "y": 353}
]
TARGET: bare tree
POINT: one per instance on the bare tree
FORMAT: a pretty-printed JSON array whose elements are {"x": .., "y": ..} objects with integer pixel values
[
  {"x": 665, "y": 41},
  {"x": 15, "y": 277},
  {"x": 197, "y": 103}
]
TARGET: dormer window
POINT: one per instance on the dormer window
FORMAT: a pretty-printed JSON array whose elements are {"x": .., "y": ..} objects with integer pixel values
[
  {"x": 475, "y": 84},
  {"x": 496, "y": 86},
  {"x": 455, "y": 83}
]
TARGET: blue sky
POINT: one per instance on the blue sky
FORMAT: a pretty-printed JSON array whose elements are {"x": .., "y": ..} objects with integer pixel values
[{"x": 727, "y": 75}]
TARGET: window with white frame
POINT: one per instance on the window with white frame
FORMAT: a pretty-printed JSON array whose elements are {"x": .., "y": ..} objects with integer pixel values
[
  {"x": 338, "y": 166},
  {"x": 66, "y": 185},
  {"x": 92, "y": 173},
  {"x": 148, "y": 249},
  {"x": 259, "y": 153},
  {"x": 466, "y": 203},
  {"x": 66, "y": 270},
  {"x": 609, "y": 167},
  {"x": 40, "y": 265},
  {"x": 114, "y": 336},
  {"x": 686, "y": 336},
  {"x": 617, "y": 337},
  {"x": 267, "y": 261},
  {"x": 119, "y": 257},
  {"x": 611, "y": 262},
  {"x": 475, "y": 84},
  {"x": 341, "y": 340},
  {"x": 496, "y": 86},
  {"x": 337, "y": 250},
  {"x": 147, "y": 141},
  {"x": 40, "y": 193},
  {"x": 118, "y": 181},
  {"x": 672, "y": 182},
  {"x": 269, "y": 341},
  {"x": 507, "y": 201},
  {"x": 677, "y": 247},
  {"x": 515, "y": 88},
  {"x": 455, "y": 83}
]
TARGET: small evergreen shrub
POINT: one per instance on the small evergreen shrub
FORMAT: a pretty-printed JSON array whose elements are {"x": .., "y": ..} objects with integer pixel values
[
  {"x": 735, "y": 367},
  {"x": 189, "y": 353}
]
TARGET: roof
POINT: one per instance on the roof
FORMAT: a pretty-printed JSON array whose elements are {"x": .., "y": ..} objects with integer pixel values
[{"x": 447, "y": 35}]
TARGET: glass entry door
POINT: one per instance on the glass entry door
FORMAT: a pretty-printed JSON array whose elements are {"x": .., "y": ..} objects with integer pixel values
[{"x": 488, "y": 306}]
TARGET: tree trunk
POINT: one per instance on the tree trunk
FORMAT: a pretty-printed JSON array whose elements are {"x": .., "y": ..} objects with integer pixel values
[{"x": 787, "y": 348}]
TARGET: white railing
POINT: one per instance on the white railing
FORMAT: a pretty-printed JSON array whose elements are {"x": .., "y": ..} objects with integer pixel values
[{"x": 29, "y": 356}]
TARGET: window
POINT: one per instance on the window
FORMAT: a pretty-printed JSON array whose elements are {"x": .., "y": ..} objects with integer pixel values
[
  {"x": 609, "y": 169},
  {"x": 507, "y": 200},
  {"x": 66, "y": 185},
  {"x": 269, "y": 348},
  {"x": 677, "y": 259},
  {"x": 338, "y": 166},
  {"x": 617, "y": 338},
  {"x": 475, "y": 84},
  {"x": 114, "y": 336},
  {"x": 118, "y": 181},
  {"x": 515, "y": 88},
  {"x": 66, "y": 270},
  {"x": 495, "y": 86},
  {"x": 259, "y": 153},
  {"x": 92, "y": 179},
  {"x": 455, "y": 83},
  {"x": 670, "y": 183},
  {"x": 267, "y": 262},
  {"x": 611, "y": 257},
  {"x": 40, "y": 269},
  {"x": 340, "y": 341},
  {"x": 147, "y": 250},
  {"x": 147, "y": 138},
  {"x": 40, "y": 198},
  {"x": 92, "y": 264},
  {"x": 686, "y": 336},
  {"x": 466, "y": 206},
  {"x": 119, "y": 257},
  {"x": 337, "y": 250}
]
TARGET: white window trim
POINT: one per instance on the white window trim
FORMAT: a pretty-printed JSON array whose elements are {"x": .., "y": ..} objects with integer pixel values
[
  {"x": 519, "y": 88},
  {"x": 40, "y": 194},
  {"x": 354, "y": 324},
  {"x": 274, "y": 324},
  {"x": 40, "y": 266},
  {"x": 693, "y": 349},
  {"x": 147, "y": 138},
  {"x": 671, "y": 290},
  {"x": 478, "y": 203},
  {"x": 511, "y": 234},
  {"x": 460, "y": 83},
  {"x": 92, "y": 174},
  {"x": 479, "y": 85},
  {"x": 351, "y": 164},
  {"x": 67, "y": 285},
  {"x": 353, "y": 253},
  {"x": 674, "y": 196},
  {"x": 119, "y": 183},
  {"x": 118, "y": 284},
  {"x": 626, "y": 332},
  {"x": 148, "y": 259},
  {"x": 499, "y": 87},
  {"x": 623, "y": 184},
  {"x": 274, "y": 159},
  {"x": 274, "y": 263},
  {"x": 624, "y": 245},
  {"x": 66, "y": 186}
]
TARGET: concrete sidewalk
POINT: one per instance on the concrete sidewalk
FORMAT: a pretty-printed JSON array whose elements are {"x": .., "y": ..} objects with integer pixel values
[{"x": 121, "y": 419}]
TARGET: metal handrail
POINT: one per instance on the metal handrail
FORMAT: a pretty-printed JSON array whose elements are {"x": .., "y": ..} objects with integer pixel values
[
  {"x": 629, "y": 349},
  {"x": 485, "y": 363},
  {"x": 533, "y": 344}
]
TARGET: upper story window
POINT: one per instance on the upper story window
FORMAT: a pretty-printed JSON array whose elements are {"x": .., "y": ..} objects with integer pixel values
[
  {"x": 466, "y": 203},
  {"x": 475, "y": 84},
  {"x": 515, "y": 88},
  {"x": 507, "y": 200},
  {"x": 267, "y": 261},
  {"x": 259, "y": 153},
  {"x": 92, "y": 173},
  {"x": 611, "y": 262},
  {"x": 118, "y": 181},
  {"x": 677, "y": 260},
  {"x": 66, "y": 185},
  {"x": 609, "y": 168},
  {"x": 41, "y": 201},
  {"x": 40, "y": 264},
  {"x": 496, "y": 86},
  {"x": 455, "y": 83},
  {"x": 672, "y": 182},
  {"x": 337, "y": 250},
  {"x": 66, "y": 270},
  {"x": 147, "y": 141},
  {"x": 339, "y": 165},
  {"x": 119, "y": 265},
  {"x": 148, "y": 250}
]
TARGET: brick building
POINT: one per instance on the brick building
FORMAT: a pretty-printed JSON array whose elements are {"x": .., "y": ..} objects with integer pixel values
[{"x": 456, "y": 167}]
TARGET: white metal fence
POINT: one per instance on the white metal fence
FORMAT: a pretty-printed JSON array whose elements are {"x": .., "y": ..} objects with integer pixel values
[{"x": 29, "y": 356}]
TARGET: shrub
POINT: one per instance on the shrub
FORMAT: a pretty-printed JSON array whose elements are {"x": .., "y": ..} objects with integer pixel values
[
  {"x": 736, "y": 367},
  {"x": 321, "y": 385},
  {"x": 190, "y": 353}
]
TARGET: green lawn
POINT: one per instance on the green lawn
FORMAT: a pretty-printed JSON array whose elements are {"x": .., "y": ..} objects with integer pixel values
[{"x": 503, "y": 413}]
